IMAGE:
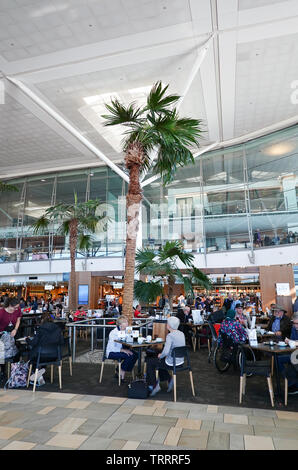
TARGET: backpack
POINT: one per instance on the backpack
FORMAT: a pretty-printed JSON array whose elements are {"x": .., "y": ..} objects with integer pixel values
[
  {"x": 18, "y": 376},
  {"x": 10, "y": 349},
  {"x": 138, "y": 389}
]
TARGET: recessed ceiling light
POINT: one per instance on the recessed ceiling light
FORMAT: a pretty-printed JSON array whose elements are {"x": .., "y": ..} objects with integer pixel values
[
  {"x": 279, "y": 149},
  {"x": 42, "y": 180}
]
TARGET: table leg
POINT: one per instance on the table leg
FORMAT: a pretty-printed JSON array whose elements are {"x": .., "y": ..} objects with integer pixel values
[
  {"x": 139, "y": 361},
  {"x": 277, "y": 377}
]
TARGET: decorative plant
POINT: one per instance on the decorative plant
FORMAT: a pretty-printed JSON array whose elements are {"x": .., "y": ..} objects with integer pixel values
[
  {"x": 79, "y": 221},
  {"x": 163, "y": 265},
  {"x": 153, "y": 129}
]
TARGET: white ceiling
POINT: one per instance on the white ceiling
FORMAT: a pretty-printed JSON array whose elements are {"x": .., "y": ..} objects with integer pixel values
[{"x": 66, "y": 50}]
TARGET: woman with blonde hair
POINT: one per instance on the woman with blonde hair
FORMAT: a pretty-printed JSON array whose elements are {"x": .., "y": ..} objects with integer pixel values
[{"x": 117, "y": 351}]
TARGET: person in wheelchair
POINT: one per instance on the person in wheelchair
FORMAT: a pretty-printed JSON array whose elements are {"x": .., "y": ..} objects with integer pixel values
[{"x": 231, "y": 333}]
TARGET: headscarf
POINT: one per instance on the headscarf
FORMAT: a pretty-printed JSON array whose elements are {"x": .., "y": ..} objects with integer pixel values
[{"x": 230, "y": 315}]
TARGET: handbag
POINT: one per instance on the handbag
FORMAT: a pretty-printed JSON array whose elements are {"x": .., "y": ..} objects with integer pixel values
[
  {"x": 18, "y": 376},
  {"x": 10, "y": 349},
  {"x": 138, "y": 389}
]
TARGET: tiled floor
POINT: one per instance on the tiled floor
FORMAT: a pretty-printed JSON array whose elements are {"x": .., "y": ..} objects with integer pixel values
[{"x": 70, "y": 421}]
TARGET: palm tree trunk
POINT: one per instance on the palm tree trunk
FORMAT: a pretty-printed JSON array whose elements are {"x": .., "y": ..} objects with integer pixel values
[
  {"x": 171, "y": 284},
  {"x": 73, "y": 237},
  {"x": 133, "y": 160}
]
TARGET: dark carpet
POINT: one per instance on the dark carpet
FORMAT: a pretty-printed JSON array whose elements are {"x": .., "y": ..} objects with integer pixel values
[{"x": 211, "y": 386}]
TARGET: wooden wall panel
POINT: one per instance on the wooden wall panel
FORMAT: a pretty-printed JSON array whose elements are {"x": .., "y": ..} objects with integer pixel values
[{"x": 269, "y": 276}]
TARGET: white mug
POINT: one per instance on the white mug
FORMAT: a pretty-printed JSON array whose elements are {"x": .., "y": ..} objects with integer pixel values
[
  {"x": 148, "y": 338},
  {"x": 292, "y": 344},
  {"x": 140, "y": 339}
]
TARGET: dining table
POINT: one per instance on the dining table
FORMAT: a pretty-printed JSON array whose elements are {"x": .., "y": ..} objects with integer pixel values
[
  {"x": 274, "y": 350},
  {"x": 139, "y": 347}
]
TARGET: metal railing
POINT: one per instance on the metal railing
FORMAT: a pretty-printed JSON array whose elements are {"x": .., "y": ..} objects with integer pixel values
[{"x": 99, "y": 323}]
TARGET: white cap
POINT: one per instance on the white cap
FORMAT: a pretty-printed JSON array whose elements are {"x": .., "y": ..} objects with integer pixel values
[{"x": 173, "y": 323}]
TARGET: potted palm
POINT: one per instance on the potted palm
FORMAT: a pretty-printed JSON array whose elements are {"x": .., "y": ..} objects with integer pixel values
[
  {"x": 152, "y": 129},
  {"x": 164, "y": 266},
  {"x": 78, "y": 221}
]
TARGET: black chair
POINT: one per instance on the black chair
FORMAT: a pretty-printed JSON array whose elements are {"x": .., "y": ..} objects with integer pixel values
[
  {"x": 204, "y": 335},
  {"x": 214, "y": 339},
  {"x": 47, "y": 355},
  {"x": 260, "y": 368},
  {"x": 180, "y": 352},
  {"x": 66, "y": 352}
]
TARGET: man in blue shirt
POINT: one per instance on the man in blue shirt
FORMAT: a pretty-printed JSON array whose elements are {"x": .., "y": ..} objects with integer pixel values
[
  {"x": 280, "y": 323},
  {"x": 286, "y": 359}
]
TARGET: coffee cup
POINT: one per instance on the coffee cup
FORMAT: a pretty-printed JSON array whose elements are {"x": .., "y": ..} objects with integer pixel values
[
  {"x": 141, "y": 339},
  {"x": 135, "y": 333},
  {"x": 292, "y": 344},
  {"x": 148, "y": 338}
]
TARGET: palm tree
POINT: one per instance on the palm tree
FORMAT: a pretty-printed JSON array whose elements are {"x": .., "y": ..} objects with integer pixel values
[
  {"x": 5, "y": 187},
  {"x": 79, "y": 221},
  {"x": 152, "y": 129},
  {"x": 164, "y": 265}
]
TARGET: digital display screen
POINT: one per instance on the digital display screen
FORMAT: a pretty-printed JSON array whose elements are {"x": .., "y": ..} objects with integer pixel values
[{"x": 83, "y": 294}]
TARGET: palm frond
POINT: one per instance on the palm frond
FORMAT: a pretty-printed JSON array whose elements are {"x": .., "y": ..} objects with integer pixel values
[
  {"x": 6, "y": 187},
  {"x": 120, "y": 114},
  {"x": 200, "y": 279},
  {"x": 157, "y": 102},
  {"x": 41, "y": 225},
  {"x": 147, "y": 292},
  {"x": 84, "y": 241}
]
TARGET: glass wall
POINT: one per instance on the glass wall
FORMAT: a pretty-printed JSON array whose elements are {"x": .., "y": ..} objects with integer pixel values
[{"x": 242, "y": 197}]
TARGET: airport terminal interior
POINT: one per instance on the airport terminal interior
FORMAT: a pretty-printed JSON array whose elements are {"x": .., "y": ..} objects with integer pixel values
[{"x": 222, "y": 281}]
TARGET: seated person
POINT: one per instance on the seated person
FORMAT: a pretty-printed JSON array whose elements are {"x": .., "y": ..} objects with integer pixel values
[
  {"x": 232, "y": 328},
  {"x": 240, "y": 316},
  {"x": 117, "y": 351},
  {"x": 285, "y": 359},
  {"x": 137, "y": 312},
  {"x": 280, "y": 323},
  {"x": 291, "y": 373},
  {"x": 164, "y": 360},
  {"x": 79, "y": 314},
  {"x": 47, "y": 334}
]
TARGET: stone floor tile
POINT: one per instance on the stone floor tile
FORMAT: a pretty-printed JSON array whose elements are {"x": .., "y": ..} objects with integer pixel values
[
  {"x": 266, "y": 413},
  {"x": 285, "y": 444},
  {"x": 236, "y": 442},
  {"x": 68, "y": 425},
  {"x": 70, "y": 441},
  {"x": 59, "y": 396},
  {"x": 90, "y": 426},
  {"x": 212, "y": 409},
  {"x": 287, "y": 415},
  {"x": 160, "y": 412},
  {"x": 78, "y": 404},
  {"x": 131, "y": 432},
  {"x": 218, "y": 441},
  {"x": 235, "y": 419},
  {"x": 283, "y": 423},
  {"x": 11, "y": 417},
  {"x": 235, "y": 410},
  {"x": 193, "y": 439},
  {"x": 187, "y": 423},
  {"x": 116, "y": 444},
  {"x": 107, "y": 429},
  {"x": 261, "y": 420},
  {"x": 177, "y": 413},
  {"x": 207, "y": 426},
  {"x": 155, "y": 420},
  {"x": 7, "y": 432},
  {"x": 102, "y": 411},
  {"x": 112, "y": 400},
  {"x": 19, "y": 445},
  {"x": 160, "y": 434},
  {"x": 143, "y": 410},
  {"x": 284, "y": 433},
  {"x": 234, "y": 428},
  {"x": 40, "y": 437},
  {"x": 131, "y": 445},
  {"x": 95, "y": 443},
  {"x": 173, "y": 437},
  {"x": 258, "y": 443},
  {"x": 46, "y": 410},
  {"x": 7, "y": 398}
]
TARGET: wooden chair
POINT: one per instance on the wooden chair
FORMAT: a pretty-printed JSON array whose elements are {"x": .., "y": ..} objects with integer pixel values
[
  {"x": 116, "y": 362},
  {"x": 260, "y": 368},
  {"x": 181, "y": 352}
]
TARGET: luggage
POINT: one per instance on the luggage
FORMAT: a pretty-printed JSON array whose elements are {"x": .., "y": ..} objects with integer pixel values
[
  {"x": 18, "y": 375},
  {"x": 138, "y": 389}
]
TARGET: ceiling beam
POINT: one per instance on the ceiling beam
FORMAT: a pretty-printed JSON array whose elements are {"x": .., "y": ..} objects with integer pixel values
[{"x": 61, "y": 122}]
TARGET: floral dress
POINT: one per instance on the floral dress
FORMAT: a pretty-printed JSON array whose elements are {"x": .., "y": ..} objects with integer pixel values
[{"x": 234, "y": 330}]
